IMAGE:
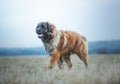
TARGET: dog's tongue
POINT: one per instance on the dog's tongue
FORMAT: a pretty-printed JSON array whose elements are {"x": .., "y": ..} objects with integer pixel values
[{"x": 40, "y": 35}]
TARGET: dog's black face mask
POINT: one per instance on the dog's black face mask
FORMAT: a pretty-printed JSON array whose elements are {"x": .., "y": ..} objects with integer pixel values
[{"x": 43, "y": 29}]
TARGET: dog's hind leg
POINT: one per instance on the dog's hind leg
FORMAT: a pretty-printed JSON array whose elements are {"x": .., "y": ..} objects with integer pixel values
[
  {"x": 82, "y": 52},
  {"x": 83, "y": 57}
]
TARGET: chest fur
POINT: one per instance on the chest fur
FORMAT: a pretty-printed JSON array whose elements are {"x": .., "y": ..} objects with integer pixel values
[{"x": 50, "y": 47}]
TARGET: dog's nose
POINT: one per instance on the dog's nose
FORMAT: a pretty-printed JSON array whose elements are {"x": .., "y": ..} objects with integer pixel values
[{"x": 37, "y": 31}]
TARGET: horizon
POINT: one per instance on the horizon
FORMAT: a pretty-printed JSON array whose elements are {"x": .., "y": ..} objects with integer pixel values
[{"x": 103, "y": 47}]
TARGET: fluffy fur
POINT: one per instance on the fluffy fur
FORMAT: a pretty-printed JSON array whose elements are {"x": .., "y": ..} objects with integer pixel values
[{"x": 63, "y": 44}]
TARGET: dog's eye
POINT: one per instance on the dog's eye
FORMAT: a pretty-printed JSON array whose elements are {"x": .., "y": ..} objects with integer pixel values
[{"x": 42, "y": 26}]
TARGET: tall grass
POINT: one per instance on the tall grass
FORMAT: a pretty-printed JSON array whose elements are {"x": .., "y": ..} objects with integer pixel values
[{"x": 103, "y": 69}]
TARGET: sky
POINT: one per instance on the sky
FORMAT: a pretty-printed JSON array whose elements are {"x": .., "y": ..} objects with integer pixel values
[{"x": 98, "y": 20}]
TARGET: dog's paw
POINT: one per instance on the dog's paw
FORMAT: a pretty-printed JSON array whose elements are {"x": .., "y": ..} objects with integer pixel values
[{"x": 48, "y": 67}]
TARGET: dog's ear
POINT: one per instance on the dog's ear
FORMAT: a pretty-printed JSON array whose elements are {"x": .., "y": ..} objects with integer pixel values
[{"x": 51, "y": 27}]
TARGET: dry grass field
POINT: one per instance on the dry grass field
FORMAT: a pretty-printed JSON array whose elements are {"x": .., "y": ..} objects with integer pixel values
[{"x": 103, "y": 69}]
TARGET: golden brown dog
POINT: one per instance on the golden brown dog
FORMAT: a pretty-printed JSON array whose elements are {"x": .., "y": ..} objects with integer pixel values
[{"x": 61, "y": 44}]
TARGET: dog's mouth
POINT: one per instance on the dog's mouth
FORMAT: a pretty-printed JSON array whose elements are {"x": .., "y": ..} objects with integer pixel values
[{"x": 40, "y": 35}]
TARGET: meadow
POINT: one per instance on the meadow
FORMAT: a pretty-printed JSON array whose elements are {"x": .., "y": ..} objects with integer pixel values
[{"x": 103, "y": 69}]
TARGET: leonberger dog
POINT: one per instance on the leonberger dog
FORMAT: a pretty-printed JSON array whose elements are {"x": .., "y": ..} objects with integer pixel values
[{"x": 61, "y": 44}]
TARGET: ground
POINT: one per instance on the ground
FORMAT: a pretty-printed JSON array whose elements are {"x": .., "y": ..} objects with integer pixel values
[{"x": 103, "y": 69}]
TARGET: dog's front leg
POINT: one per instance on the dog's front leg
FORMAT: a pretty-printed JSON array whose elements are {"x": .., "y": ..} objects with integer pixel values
[{"x": 54, "y": 58}]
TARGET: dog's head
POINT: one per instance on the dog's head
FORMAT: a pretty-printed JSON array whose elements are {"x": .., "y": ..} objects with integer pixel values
[{"x": 44, "y": 28}]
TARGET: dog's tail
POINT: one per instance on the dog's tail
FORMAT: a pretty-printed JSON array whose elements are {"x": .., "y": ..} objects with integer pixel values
[{"x": 83, "y": 37}]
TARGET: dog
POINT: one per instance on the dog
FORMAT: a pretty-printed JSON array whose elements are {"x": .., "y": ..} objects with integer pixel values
[{"x": 61, "y": 44}]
